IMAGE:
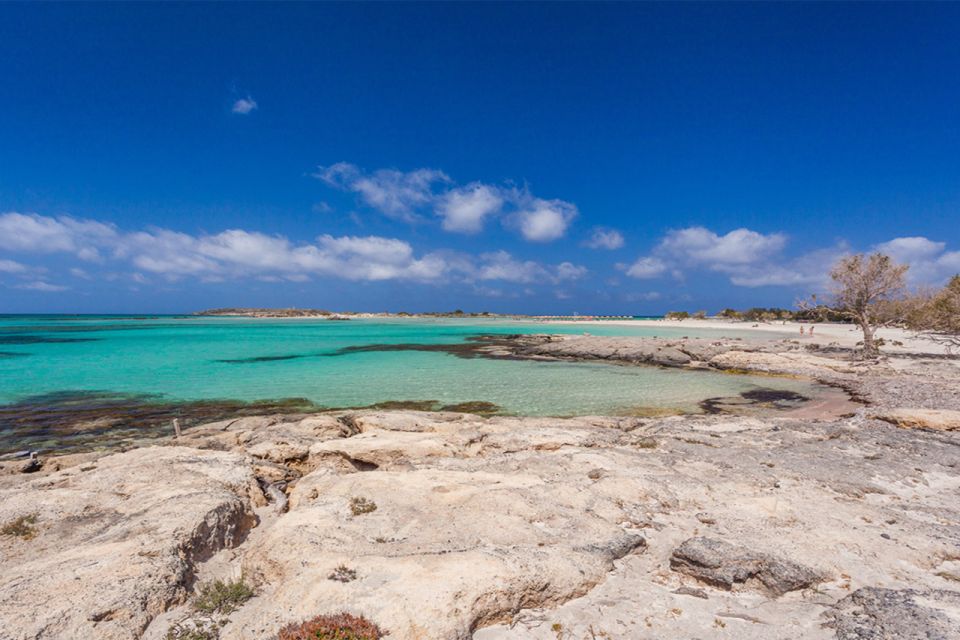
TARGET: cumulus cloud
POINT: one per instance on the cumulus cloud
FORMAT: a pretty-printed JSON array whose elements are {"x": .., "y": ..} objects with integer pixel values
[
  {"x": 408, "y": 195},
  {"x": 465, "y": 210},
  {"x": 647, "y": 267},
  {"x": 542, "y": 220},
  {"x": 753, "y": 259},
  {"x": 237, "y": 252},
  {"x": 603, "y": 238},
  {"x": 928, "y": 260},
  {"x": 809, "y": 270},
  {"x": 240, "y": 253},
  {"x": 396, "y": 194},
  {"x": 27, "y": 232},
  {"x": 500, "y": 265},
  {"x": 244, "y": 106},
  {"x": 699, "y": 245},
  {"x": 738, "y": 253}
]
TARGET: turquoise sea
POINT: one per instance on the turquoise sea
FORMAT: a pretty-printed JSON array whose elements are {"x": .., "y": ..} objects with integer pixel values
[{"x": 47, "y": 360}]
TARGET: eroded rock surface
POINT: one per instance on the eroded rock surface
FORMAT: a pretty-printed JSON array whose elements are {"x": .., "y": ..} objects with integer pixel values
[
  {"x": 115, "y": 542},
  {"x": 450, "y": 525},
  {"x": 727, "y": 566},
  {"x": 897, "y": 614}
]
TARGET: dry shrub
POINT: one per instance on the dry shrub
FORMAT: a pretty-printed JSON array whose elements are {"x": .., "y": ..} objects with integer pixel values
[{"x": 340, "y": 626}]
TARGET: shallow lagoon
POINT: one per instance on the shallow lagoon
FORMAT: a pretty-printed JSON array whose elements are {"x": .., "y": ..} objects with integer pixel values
[{"x": 187, "y": 359}]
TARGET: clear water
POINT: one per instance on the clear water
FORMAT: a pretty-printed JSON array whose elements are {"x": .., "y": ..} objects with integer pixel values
[{"x": 181, "y": 359}]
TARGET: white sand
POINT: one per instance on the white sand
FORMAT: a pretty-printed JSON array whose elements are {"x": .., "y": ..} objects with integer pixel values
[{"x": 824, "y": 332}]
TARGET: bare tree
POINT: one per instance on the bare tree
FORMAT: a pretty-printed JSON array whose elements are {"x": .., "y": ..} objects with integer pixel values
[
  {"x": 937, "y": 314},
  {"x": 861, "y": 289}
]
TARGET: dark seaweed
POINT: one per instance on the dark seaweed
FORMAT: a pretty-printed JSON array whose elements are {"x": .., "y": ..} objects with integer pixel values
[
  {"x": 261, "y": 359},
  {"x": 34, "y": 339},
  {"x": 770, "y": 398},
  {"x": 68, "y": 422}
]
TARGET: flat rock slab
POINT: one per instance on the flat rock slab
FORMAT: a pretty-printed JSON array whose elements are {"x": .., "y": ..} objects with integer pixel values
[
  {"x": 725, "y": 565},
  {"x": 910, "y": 418},
  {"x": 442, "y": 553},
  {"x": 897, "y": 614},
  {"x": 115, "y": 542}
]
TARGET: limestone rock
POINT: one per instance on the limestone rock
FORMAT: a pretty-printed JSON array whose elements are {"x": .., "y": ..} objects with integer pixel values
[
  {"x": 443, "y": 552},
  {"x": 911, "y": 418},
  {"x": 897, "y": 614},
  {"x": 115, "y": 544},
  {"x": 726, "y": 565}
]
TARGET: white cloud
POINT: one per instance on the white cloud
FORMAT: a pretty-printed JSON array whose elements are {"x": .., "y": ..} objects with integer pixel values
[
  {"x": 244, "y": 106},
  {"x": 603, "y": 238},
  {"x": 570, "y": 271},
  {"x": 500, "y": 265},
  {"x": 466, "y": 209},
  {"x": 396, "y": 194},
  {"x": 911, "y": 249},
  {"x": 39, "y": 285},
  {"x": 9, "y": 266},
  {"x": 236, "y": 252},
  {"x": 647, "y": 267},
  {"x": 462, "y": 209},
  {"x": 929, "y": 264},
  {"x": 542, "y": 220},
  {"x": 698, "y": 245},
  {"x": 28, "y": 232}
]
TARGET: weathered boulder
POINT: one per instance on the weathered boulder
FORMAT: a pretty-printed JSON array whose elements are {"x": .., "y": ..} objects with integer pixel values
[
  {"x": 114, "y": 543},
  {"x": 725, "y": 565},
  {"x": 897, "y": 614}
]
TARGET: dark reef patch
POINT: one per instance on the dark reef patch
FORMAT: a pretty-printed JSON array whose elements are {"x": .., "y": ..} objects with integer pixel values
[
  {"x": 69, "y": 422},
  {"x": 35, "y": 339},
  {"x": 12, "y": 354},
  {"x": 254, "y": 359},
  {"x": 754, "y": 399},
  {"x": 477, "y": 407},
  {"x": 404, "y": 405},
  {"x": 474, "y": 347}
]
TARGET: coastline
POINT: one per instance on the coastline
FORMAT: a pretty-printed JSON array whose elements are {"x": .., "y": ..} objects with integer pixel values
[{"x": 776, "y": 523}]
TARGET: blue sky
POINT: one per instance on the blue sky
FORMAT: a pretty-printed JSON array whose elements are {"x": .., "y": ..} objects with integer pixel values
[{"x": 599, "y": 158}]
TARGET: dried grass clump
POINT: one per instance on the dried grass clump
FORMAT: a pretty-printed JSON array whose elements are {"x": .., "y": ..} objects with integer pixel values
[
  {"x": 22, "y": 527},
  {"x": 340, "y": 626},
  {"x": 360, "y": 506}
]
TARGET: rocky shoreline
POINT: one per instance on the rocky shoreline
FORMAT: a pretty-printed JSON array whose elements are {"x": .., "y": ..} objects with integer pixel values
[{"x": 452, "y": 525}]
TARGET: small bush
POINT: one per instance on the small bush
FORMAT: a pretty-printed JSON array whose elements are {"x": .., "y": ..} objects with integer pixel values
[
  {"x": 194, "y": 630},
  {"x": 222, "y": 597},
  {"x": 341, "y": 626},
  {"x": 360, "y": 506},
  {"x": 343, "y": 573},
  {"x": 22, "y": 527}
]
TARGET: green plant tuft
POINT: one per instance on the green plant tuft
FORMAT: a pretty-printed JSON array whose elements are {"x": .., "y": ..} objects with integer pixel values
[{"x": 222, "y": 597}]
